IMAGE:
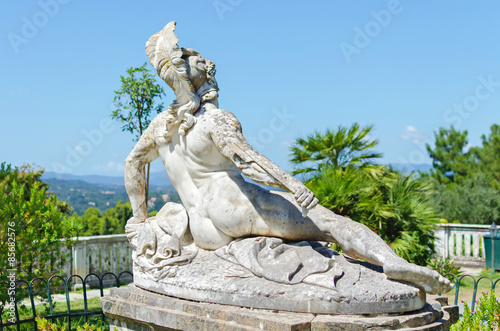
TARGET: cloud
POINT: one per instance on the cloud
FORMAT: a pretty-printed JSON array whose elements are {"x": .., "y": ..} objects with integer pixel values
[
  {"x": 287, "y": 143},
  {"x": 412, "y": 133}
]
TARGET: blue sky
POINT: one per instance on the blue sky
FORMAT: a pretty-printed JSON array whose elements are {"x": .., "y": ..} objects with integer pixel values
[{"x": 284, "y": 69}]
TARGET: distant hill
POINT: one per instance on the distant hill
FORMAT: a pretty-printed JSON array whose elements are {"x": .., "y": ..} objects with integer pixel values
[
  {"x": 103, "y": 192},
  {"x": 156, "y": 178}
]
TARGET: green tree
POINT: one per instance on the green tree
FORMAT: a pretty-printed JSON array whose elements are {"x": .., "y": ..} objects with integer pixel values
[
  {"x": 473, "y": 202},
  {"x": 466, "y": 181},
  {"x": 489, "y": 156},
  {"x": 35, "y": 227},
  {"x": 112, "y": 221},
  {"x": 90, "y": 222},
  {"x": 333, "y": 149},
  {"x": 451, "y": 160},
  {"x": 135, "y": 101}
]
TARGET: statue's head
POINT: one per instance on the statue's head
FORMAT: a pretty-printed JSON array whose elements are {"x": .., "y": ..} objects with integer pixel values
[
  {"x": 201, "y": 72},
  {"x": 189, "y": 74}
]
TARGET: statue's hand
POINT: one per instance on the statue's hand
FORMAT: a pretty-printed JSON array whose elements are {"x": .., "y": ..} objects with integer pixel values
[{"x": 305, "y": 197}]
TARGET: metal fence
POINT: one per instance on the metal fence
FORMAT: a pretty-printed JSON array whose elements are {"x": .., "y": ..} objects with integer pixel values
[
  {"x": 62, "y": 288},
  {"x": 458, "y": 280}
]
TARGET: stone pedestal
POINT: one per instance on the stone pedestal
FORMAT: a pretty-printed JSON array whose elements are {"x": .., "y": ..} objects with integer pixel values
[{"x": 132, "y": 308}]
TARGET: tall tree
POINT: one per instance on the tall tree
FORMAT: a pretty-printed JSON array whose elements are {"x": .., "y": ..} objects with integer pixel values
[
  {"x": 135, "y": 101},
  {"x": 451, "y": 160},
  {"x": 489, "y": 156},
  {"x": 346, "y": 146}
]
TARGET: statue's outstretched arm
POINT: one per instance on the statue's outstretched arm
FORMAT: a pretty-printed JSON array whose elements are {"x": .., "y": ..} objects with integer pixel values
[
  {"x": 145, "y": 151},
  {"x": 229, "y": 139}
]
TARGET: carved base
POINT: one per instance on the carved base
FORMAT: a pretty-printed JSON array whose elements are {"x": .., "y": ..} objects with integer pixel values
[
  {"x": 208, "y": 278},
  {"x": 131, "y": 308}
]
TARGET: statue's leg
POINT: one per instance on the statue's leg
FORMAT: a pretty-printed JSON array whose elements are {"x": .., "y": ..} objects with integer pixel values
[{"x": 283, "y": 218}]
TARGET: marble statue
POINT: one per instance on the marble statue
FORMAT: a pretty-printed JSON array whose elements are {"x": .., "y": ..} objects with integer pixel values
[{"x": 205, "y": 154}]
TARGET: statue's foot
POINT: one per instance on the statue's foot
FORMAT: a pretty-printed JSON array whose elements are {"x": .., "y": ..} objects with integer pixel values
[{"x": 431, "y": 281}]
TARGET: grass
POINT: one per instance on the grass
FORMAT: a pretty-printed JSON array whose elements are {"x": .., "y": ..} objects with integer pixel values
[{"x": 93, "y": 304}]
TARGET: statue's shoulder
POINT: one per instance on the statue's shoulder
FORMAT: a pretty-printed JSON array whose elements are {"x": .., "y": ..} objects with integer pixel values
[
  {"x": 223, "y": 118},
  {"x": 157, "y": 126},
  {"x": 159, "y": 119}
]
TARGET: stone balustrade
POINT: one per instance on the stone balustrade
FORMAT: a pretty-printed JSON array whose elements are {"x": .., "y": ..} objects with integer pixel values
[
  {"x": 463, "y": 243},
  {"x": 100, "y": 254}
]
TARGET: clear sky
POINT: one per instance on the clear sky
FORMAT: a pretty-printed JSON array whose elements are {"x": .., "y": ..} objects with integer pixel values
[{"x": 285, "y": 69}]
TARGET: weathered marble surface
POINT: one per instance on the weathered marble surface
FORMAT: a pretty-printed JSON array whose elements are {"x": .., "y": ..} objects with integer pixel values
[
  {"x": 209, "y": 278},
  {"x": 131, "y": 308}
]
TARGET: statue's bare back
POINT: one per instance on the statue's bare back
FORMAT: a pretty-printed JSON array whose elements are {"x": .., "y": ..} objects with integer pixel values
[{"x": 221, "y": 205}]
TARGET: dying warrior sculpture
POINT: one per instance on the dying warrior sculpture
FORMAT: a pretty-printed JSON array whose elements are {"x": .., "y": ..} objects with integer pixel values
[{"x": 204, "y": 152}]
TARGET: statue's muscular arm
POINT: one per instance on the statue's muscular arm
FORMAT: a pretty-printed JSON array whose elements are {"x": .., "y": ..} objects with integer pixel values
[
  {"x": 228, "y": 137},
  {"x": 145, "y": 151}
]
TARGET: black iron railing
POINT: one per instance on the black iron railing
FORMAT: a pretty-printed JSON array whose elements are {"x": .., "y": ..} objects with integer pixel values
[
  {"x": 458, "y": 281},
  {"x": 62, "y": 289}
]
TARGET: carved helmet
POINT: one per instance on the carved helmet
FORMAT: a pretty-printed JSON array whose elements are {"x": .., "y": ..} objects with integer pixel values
[{"x": 169, "y": 60}]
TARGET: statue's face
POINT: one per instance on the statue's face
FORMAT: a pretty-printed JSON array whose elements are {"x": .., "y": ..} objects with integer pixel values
[{"x": 197, "y": 72}]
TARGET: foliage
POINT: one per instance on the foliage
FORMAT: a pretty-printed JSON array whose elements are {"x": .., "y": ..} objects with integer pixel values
[
  {"x": 34, "y": 225},
  {"x": 393, "y": 205},
  {"x": 333, "y": 149},
  {"x": 44, "y": 325},
  {"x": 112, "y": 221},
  {"x": 445, "y": 266},
  {"x": 451, "y": 161},
  {"x": 486, "y": 316},
  {"x": 473, "y": 202}
]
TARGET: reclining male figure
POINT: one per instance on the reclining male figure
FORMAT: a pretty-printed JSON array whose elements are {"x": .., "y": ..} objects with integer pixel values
[{"x": 204, "y": 152}]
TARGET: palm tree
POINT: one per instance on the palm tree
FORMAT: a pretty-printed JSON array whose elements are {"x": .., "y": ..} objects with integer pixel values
[
  {"x": 333, "y": 149},
  {"x": 395, "y": 206},
  {"x": 340, "y": 172}
]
